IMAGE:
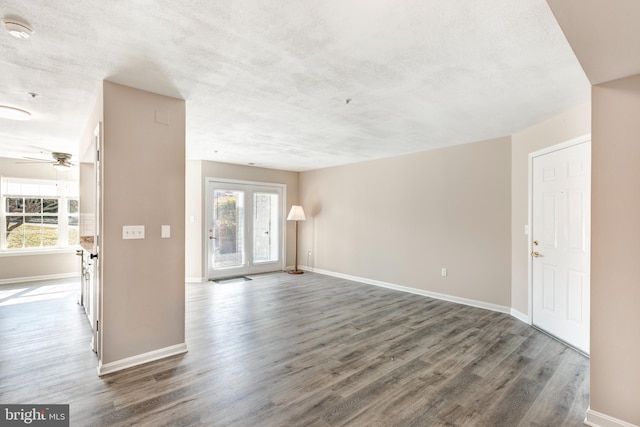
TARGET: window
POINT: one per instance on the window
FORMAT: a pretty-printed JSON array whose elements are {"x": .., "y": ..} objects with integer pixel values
[{"x": 38, "y": 214}]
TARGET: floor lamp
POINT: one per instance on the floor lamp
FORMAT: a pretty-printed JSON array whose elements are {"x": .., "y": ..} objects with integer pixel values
[{"x": 296, "y": 214}]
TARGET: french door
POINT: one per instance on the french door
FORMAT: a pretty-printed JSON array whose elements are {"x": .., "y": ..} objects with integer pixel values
[
  {"x": 560, "y": 243},
  {"x": 245, "y": 224}
]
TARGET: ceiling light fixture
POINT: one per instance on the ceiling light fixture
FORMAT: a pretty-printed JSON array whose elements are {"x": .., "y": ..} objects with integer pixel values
[
  {"x": 11, "y": 113},
  {"x": 17, "y": 29}
]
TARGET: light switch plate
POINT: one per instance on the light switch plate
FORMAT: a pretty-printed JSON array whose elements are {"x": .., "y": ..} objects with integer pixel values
[
  {"x": 133, "y": 232},
  {"x": 166, "y": 231}
]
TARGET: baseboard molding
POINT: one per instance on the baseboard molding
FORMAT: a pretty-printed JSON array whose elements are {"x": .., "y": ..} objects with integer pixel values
[
  {"x": 194, "y": 279},
  {"x": 597, "y": 419},
  {"x": 140, "y": 359},
  {"x": 435, "y": 295},
  {"x": 29, "y": 279},
  {"x": 520, "y": 316}
]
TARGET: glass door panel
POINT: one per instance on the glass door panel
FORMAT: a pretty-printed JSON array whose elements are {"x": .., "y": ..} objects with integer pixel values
[
  {"x": 227, "y": 236},
  {"x": 266, "y": 247}
]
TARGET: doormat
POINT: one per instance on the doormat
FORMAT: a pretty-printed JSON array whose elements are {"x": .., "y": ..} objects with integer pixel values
[{"x": 235, "y": 279}]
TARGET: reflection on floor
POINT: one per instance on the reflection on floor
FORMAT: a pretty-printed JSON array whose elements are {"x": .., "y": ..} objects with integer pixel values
[{"x": 305, "y": 350}]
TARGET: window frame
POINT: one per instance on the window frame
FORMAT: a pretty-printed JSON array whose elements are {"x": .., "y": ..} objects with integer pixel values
[{"x": 65, "y": 192}]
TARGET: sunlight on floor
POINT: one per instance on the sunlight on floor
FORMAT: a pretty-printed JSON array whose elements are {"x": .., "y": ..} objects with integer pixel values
[{"x": 25, "y": 294}]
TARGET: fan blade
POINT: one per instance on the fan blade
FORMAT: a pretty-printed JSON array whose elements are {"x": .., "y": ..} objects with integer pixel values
[
  {"x": 36, "y": 159},
  {"x": 34, "y": 163}
]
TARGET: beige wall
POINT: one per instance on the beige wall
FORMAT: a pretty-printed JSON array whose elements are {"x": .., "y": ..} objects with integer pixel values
[
  {"x": 143, "y": 183},
  {"x": 197, "y": 173},
  {"x": 400, "y": 220},
  {"x": 563, "y": 127},
  {"x": 615, "y": 250},
  {"x": 22, "y": 267}
]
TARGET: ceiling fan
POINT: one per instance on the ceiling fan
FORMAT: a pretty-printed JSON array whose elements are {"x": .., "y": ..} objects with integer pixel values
[{"x": 61, "y": 161}]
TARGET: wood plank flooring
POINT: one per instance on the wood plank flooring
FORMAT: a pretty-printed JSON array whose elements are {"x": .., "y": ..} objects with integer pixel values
[{"x": 307, "y": 350}]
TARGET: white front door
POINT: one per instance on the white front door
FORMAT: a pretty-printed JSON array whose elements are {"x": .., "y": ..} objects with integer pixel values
[
  {"x": 244, "y": 232},
  {"x": 560, "y": 242}
]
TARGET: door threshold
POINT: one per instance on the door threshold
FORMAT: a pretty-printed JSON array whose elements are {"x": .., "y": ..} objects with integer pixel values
[
  {"x": 550, "y": 335},
  {"x": 234, "y": 279}
]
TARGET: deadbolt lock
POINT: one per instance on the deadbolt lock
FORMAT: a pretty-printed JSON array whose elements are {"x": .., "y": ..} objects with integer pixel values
[{"x": 536, "y": 243}]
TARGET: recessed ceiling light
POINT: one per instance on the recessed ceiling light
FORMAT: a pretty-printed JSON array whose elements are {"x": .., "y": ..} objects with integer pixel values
[
  {"x": 17, "y": 29},
  {"x": 11, "y": 113}
]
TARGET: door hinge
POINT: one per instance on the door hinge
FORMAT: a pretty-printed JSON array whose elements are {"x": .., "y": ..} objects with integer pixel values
[{"x": 97, "y": 326}]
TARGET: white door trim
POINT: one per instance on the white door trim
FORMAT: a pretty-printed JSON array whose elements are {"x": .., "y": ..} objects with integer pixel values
[
  {"x": 541, "y": 152},
  {"x": 207, "y": 213}
]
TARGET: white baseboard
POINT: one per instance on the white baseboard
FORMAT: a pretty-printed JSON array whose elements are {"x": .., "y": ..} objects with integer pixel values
[
  {"x": 520, "y": 316},
  {"x": 195, "y": 279},
  {"x": 17, "y": 280},
  {"x": 444, "y": 297},
  {"x": 597, "y": 419},
  {"x": 129, "y": 362}
]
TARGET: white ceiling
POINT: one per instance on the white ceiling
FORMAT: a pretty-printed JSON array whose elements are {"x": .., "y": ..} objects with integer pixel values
[{"x": 266, "y": 81}]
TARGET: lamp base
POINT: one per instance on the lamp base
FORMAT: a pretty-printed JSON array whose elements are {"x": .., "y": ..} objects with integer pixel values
[{"x": 295, "y": 271}]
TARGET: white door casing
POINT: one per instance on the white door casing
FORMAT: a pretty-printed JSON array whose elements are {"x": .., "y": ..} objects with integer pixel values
[
  {"x": 96, "y": 282},
  {"x": 560, "y": 243}
]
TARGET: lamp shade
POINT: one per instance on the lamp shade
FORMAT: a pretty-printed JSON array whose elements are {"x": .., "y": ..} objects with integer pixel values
[{"x": 296, "y": 214}]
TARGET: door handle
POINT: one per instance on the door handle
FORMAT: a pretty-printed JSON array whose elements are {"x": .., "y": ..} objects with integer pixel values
[
  {"x": 212, "y": 238},
  {"x": 535, "y": 254}
]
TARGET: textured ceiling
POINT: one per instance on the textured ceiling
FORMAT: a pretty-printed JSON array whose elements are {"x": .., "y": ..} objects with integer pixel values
[{"x": 266, "y": 81}]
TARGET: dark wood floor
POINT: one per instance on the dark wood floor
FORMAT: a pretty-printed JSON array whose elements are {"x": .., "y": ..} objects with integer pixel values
[{"x": 306, "y": 350}]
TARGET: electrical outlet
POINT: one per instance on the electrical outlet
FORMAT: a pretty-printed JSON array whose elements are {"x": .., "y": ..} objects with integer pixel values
[{"x": 443, "y": 272}]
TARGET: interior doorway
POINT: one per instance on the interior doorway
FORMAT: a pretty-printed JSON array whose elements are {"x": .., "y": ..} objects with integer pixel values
[
  {"x": 560, "y": 194},
  {"x": 244, "y": 228}
]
